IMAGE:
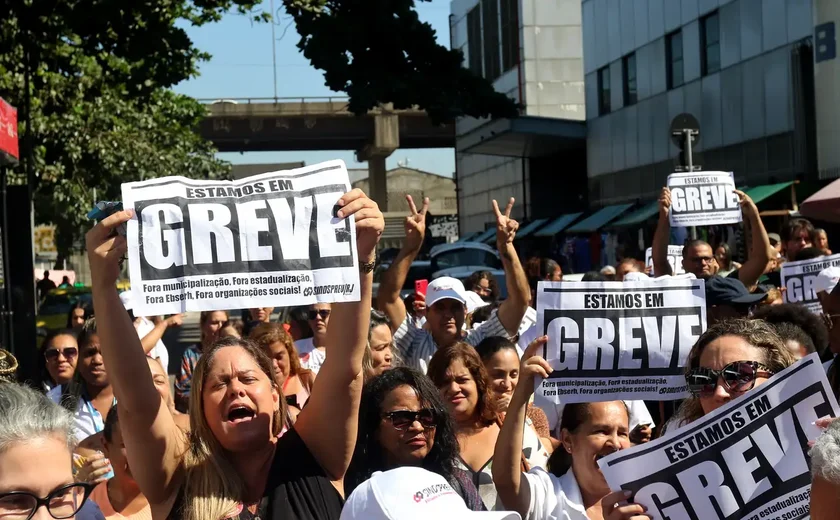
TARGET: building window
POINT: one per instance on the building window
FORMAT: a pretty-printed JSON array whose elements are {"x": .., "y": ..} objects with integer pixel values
[
  {"x": 510, "y": 34},
  {"x": 628, "y": 72},
  {"x": 674, "y": 59},
  {"x": 474, "y": 39},
  {"x": 604, "y": 90},
  {"x": 710, "y": 43},
  {"x": 492, "y": 60}
]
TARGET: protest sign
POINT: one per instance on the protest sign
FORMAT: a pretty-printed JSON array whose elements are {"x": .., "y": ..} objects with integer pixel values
[
  {"x": 703, "y": 199},
  {"x": 264, "y": 241},
  {"x": 618, "y": 340},
  {"x": 798, "y": 279},
  {"x": 674, "y": 258},
  {"x": 746, "y": 460}
]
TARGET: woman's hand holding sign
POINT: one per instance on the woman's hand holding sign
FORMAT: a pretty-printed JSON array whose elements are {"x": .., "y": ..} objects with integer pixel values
[
  {"x": 106, "y": 248},
  {"x": 369, "y": 222},
  {"x": 616, "y": 507}
]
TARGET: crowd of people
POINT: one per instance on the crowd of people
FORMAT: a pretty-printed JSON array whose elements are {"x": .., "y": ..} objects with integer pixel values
[{"x": 384, "y": 407}]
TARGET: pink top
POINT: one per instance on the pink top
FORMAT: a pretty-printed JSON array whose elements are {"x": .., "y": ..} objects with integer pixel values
[{"x": 100, "y": 496}]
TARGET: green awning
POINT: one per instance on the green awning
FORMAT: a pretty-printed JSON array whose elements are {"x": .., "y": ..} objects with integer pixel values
[
  {"x": 634, "y": 218},
  {"x": 531, "y": 227},
  {"x": 468, "y": 236},
  {"x": 599, "y": 219},
  {"x": 760, "y": 193},
  {"x": 559, "y": 224},
  {"x": 484, "y": 236}
]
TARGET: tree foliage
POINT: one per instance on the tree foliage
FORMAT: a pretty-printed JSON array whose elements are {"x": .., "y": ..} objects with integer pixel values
[
  {"x": 101, "y": 112},
  {"x": 378, "y": 51}
]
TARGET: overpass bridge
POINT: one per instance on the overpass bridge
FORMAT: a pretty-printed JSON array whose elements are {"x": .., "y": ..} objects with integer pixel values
[{"x": 325, "y": 123}]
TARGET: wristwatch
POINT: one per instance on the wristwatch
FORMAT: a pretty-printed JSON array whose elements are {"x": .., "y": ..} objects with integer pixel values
[{"x": 366, "y": 268}]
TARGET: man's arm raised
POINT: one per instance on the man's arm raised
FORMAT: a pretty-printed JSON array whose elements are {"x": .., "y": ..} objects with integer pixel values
[
  {"x": 513, "y": 309},
  {"x": 662, "y": 236},
  {"x": 388, "y": 299}
]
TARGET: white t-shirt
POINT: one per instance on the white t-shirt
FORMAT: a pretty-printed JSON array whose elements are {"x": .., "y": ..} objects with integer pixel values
[
  {"x": 554, "y": 498},
  {"x": 304, "y": 346},
  {"x": 314, "y": 360},
  {"x": 159, "y": 351},
  {"x": 639, "y": 414}
]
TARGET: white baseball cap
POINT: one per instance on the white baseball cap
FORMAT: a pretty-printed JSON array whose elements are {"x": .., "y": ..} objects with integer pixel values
[
  {"x": 411, "y": 493},
  {"x": 635, "y": 276},
  {"x": 127, "y": 300},
  {"x": 827, "y": 280},
  {"x": 443, "y": 288},
  {"x": 474, "y": 301}
]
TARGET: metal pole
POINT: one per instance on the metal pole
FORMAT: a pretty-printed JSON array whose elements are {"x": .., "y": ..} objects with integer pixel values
[
  {"x": 689, "y": 159},
  {"x": 274, "y": 48}
]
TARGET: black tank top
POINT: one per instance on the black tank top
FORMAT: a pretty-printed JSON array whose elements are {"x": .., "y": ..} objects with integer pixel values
[{"x": 297, "y": 487}]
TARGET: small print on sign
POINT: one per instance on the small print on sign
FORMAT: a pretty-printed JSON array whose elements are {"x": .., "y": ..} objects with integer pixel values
[
  {"x": 799, "y": 279},
  {"x": 618, "y": 340},
  {"x": 675, "y": 256},
  {"x": 265, "y": 241},
  {"x": 703, "y": 199},
  {"x": 746, "y": 460}
]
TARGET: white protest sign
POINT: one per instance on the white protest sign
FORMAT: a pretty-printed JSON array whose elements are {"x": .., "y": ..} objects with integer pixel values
[
  {"x": 674, "y": 258},
  {"x": 798, "y": 279},
  {"x": 703, "y": 199},
  {"x": 746, "y": 460},
  {"x": 264, "y": 241},
  {"x": 618, "y": 340}
]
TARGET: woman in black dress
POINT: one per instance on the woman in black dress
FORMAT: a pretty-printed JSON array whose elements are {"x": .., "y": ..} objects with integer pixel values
[{"x": 235, "y": 464}]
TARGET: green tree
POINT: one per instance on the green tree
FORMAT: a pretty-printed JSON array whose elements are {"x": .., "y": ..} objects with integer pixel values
[{"x": 378, "y": 51}]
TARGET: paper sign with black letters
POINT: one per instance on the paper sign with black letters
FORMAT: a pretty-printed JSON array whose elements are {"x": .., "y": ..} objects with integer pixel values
[
  {"x": 746, "y": 460},
  {"x": 618, "y": 340},
  {"x": 799, "y": 279},
  {"x": 675, "y": 255},
  {"x": 703, "y": 199},
  {"x": 271, "y": 240}
]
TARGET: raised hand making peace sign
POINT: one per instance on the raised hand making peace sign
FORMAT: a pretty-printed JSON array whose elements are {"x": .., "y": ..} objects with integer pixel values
[
  {"x": 415, "y": 223},
  {"x": 505, "y": 226}
]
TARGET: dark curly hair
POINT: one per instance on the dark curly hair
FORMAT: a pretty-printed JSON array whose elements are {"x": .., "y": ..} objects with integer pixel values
[
  {"x": 800, "y": 316},
  {"x": 474, "y": 280},
  {"x": 369, "y": 457}
]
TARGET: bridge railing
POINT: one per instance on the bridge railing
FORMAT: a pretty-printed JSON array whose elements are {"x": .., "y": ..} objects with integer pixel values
[{"x": 264, "y": 100}]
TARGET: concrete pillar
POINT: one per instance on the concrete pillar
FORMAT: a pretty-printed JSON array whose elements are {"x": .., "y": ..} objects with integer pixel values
[{"x": 378, "y": 181}]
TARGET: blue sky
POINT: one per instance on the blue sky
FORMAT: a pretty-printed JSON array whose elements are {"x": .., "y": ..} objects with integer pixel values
[{"x": 241, "y": 67}]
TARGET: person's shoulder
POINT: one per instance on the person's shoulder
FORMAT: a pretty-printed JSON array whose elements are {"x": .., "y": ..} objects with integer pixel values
[{"x": 90, "y": 510}]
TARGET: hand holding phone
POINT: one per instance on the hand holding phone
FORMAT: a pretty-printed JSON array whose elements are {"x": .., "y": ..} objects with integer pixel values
[
  {"x": 103, "y": 210},
  {"x": 420, "y": 286}
]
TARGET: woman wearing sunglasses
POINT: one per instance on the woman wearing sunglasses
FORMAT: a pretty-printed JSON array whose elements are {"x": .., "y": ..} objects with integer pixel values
[
  {"x": 573, "y": 488},
  {"x": 730, "y": 358},
  {"x": 61, "y": 353},
  {"x": 36, "y": 480},
  {"x": 403, "y": 422},
  {"x": 461, "y": 380}
]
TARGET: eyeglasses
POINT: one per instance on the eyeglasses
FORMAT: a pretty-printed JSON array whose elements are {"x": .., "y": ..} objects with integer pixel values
[
  {"x": 828, "y": 319},
  {"x": 701, "y": 259},
  {"x": 313, "y": 314},
  {"x": 403, "y": 419},
  {"x": 738, "y": 376},
  {"x": 51, "y": 354},
  {"x": 64, "y": 502}
]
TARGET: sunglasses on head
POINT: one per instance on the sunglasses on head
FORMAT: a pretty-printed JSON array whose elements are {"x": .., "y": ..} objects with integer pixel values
[
  {"x": 69, "y": 353},
  {"x": 313, "y": 314},
  {"x": 738, "y": 376},
  {"x": 403, "y": 419}
]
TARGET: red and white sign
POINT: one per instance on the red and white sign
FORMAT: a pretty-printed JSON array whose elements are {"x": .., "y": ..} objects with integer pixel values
[{"x": 8, "y": 130}]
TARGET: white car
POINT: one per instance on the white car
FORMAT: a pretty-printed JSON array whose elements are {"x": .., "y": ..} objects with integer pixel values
[{"x": 461, "y": 259}]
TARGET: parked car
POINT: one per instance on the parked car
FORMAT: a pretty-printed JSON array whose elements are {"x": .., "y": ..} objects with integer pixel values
[
  {"x": 461, "y": 259},
  {"x": 419, "y": 270},
  {"x": 52, "y": 314}
]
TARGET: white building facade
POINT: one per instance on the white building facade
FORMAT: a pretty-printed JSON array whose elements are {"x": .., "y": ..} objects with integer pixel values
[{"x": 532, "y": 50}]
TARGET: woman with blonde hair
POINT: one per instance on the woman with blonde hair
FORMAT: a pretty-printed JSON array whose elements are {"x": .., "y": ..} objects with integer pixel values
[
  {"x": 234, "y": 464},
  {"x": 295, "y": 381}
]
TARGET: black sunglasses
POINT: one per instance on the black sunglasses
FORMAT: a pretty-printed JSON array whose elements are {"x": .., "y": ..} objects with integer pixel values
[
  {"x": 312, "y": 314},
  {"x": 52, "y": 353},
  {"x": 738, "y": 376},
  {"x": 64, "y": 502},
  {"x": 403, "y": 419}
]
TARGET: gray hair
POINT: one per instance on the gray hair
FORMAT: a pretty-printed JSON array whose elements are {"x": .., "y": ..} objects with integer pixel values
[
  {"x": 825, "y": 455},
  {"x": 26, "y": 415}
]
